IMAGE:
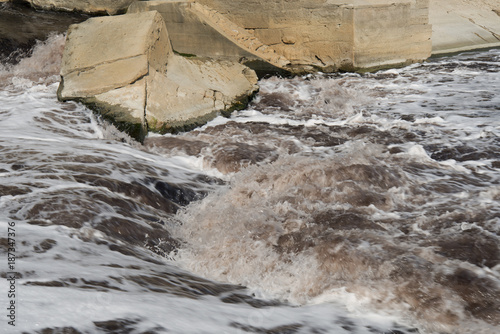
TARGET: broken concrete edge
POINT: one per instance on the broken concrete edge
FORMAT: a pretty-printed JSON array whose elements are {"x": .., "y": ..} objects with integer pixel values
[
  {"x": 382, "y": 67},
  {"x": 120, "y": 116},
  {"x": 114, "y": 114},
  {"x": 456, "y": 51},
  {"x": 155, "y": 126}
]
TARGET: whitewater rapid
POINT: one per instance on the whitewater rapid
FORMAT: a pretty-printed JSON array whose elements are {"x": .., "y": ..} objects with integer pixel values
[{"x": 333, "y": 204}]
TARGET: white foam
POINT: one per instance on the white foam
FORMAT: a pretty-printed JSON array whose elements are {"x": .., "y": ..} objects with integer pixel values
[{"x": 231, "y": 235}]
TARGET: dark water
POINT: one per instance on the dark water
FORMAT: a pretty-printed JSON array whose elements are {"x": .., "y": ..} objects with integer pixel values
[
  {"x": 332, "y": 204},
  {"x": 21, "y": 27}
]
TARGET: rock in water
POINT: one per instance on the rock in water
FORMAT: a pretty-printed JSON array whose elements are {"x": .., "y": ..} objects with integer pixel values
[
  {"x": 106, "y": 59},
  {"x": 194, "y": 90},
  {"x": 124, "y": 68}
]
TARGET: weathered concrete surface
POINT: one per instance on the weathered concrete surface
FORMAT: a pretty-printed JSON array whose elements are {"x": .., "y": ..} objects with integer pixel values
[
  {"x": 193, "y": 89},
  {"x": 104, "y": 55},
  {"x": 124, "y": 68},
  {"x": 86, "y": 6},
  {"x": 461, "y": 25},
  {"x": 390, "y": 32},
  {"x": 335, "y": 34},
  {"x": 103, "y": 40},
  {"x": 197, "y": 30}
]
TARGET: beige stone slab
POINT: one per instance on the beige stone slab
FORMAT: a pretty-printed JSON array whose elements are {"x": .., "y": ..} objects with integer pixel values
[
  {"x": 460, "y": 25},
  {"x": 131, "y": 98},
  {"x": 103, "y": 78},
  {"x": 192, "y": 90},
  {"x": 106, "y": 39},
  {"x": 198, "y": 30},
  {"x": 171, "y": 105}
]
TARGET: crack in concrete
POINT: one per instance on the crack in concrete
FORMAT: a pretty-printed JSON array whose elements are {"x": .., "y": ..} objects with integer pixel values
[
  {"x": 87, "y": 68},
  {"x": 497, "y": 36}
]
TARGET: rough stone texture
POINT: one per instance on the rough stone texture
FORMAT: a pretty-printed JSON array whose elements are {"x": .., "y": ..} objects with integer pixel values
[
  {"x": 194, "y": 88},
  {"x": 104, "y": 55},
  {"x": 335, "y": 34},
  {"x": 103, "y": 40},
  {"x": 195, "y": 29},
  {"x": 103, "y": 77},
  {"x": 461, "y": 25},
  {"x": 86, "y": 6},
  {"x": 124, "y": 68},
  {"x": 394, "y": 32}
]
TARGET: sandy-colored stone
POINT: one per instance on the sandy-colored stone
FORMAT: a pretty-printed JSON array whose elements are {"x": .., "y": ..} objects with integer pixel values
[
  {"x": 335, "y": 34},
  {"x": 87, "y": 6},
  {"x": 461, "y": 25},
  {"x": 124, "y": 68},
  {"x": 171, "y": 105},
  {"x": 387, "y": 34},
  {"x": 104, "y": 77},
  {"x": 131, "y": 98},
  {"x": 197, "y": 30},
  {"x": 194, "y": 89},
  {"x": 107, "y": 39}
]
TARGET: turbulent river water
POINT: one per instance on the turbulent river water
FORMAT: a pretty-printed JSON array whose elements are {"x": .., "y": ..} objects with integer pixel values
[{"x": 333, "y": 204}]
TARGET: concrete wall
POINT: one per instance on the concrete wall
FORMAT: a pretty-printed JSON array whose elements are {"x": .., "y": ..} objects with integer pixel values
[
  {"x": 391, "y": 32},
  {"x": 459, "y": 25},
  {"x": 336, "y": 33},
  {"x": 198, "y": 30}
]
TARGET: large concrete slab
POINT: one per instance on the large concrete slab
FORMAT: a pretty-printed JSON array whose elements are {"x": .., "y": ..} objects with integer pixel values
[
  {"x": 124, "y": 68},
  {"x": 461, "y": 25},
  {"x": 103, "y": 40},
  {"x": 335, "y": 34},
  {"x": 194, "y": 89},
  {"x": 197, "y": 30},
  {"x": 105, "y": 63}
]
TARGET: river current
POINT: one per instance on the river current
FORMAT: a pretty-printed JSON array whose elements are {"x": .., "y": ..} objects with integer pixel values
[{"x": 338, "y": 203}]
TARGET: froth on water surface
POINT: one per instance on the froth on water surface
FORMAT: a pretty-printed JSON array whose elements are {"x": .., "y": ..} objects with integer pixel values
[
  {"x": 41, "y": 67},
  {"x": 384, "y": 186},
  {"x": 369, "y": 201}
]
